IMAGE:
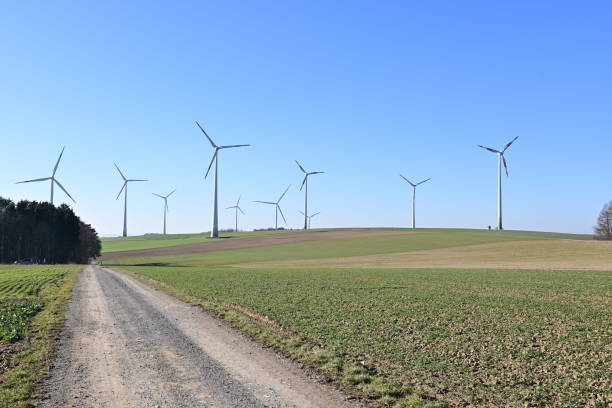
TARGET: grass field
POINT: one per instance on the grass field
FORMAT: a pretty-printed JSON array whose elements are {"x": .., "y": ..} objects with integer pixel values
[
  {"x": 116, "y": 244},
  {"x": 32, "y": 300},
  {"x": 475, "y": 336}
]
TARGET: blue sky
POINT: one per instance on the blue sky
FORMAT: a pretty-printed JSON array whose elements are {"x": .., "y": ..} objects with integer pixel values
[{"x": 360, "y": 90}]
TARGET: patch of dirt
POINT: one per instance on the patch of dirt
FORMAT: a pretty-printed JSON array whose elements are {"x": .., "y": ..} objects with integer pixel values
[{"x": 249, "y": 242}]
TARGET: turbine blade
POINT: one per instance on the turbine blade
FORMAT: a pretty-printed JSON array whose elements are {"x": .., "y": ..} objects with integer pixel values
[
  {"x": 232, "y": 146},
  {"x": 424, "y": 181},
  {"x": 314, "y": 214},
  {"x": 281, "y": 213},
  {"x": 264, "y": 202},
  {"x": 211, "y": 162},
  {"x": 238, "y": 202},
  {"x": 206, "y": 134},
  {"x": 171, "y": 193},
  {"x": 240, "y": 209},
  {"x": 304, "y": 182},
  {"x": 489, "y": 149},
  {"x": 31, "y": 181},
  {"x": 509, "y": 143},
  {"x": 58, "y": 160},
  {"x": 300, "y": 212},
  {"x": 316, "y": 172},
  {"x": 505, "y": 165},
  {"x": 160, "y": 196},
  {"x": 408, "y": 181},
  {"x": 136, "y": 180},
  {"x": 122, "y": 176},
  {"x": 64, "y": 190},
  {"x": 120, "y": 191},
  {"x": 300, "y": 166},
  {"x": 281, "y": 197},
  {"x": 227, "y": 208}
]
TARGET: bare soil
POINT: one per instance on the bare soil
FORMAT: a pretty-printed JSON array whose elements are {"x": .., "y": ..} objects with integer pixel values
[
  {"x": 128, "y": 345},
  {"x": 248, "y": 242}
]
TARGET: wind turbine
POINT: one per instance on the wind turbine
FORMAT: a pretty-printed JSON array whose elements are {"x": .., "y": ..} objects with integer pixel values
[
  {"x": 52, "y": 178},
  {"x": 278, "y": 209},
  {"x": 414, "y": 186},
  {"x": 125, "y": 187},
  {"x": 305, "y": 182},
  {"x": 214, "y": 233},
  {"x": 165, "y": 198},
  {"x": 309, "y": 217},
  {"x": 237, "y": 207},
  {"x": 501, "y": 158}
]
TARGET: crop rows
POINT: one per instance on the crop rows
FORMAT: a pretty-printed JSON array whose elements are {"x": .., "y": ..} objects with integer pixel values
[
  {"x": 19, "y": 282},
  {"x": 471, "y": 337}
]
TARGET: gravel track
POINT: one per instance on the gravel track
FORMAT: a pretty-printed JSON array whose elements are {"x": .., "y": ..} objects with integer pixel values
[{"x": 128, "y": 345}]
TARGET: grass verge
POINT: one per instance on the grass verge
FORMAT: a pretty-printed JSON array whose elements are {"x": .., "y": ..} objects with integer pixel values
[{"x": 26, "y": 362}]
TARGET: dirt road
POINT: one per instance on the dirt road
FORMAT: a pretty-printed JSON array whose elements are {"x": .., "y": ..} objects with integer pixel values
[
  {"x": 128, "y": 345},
  {"x": 248, "y": 242}
]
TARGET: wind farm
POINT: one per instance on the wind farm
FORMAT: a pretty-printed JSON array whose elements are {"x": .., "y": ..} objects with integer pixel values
[{"x": 296, "y": 269}]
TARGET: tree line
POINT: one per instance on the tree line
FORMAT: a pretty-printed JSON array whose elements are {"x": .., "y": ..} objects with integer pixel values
[{"x": 45, "y": 233}]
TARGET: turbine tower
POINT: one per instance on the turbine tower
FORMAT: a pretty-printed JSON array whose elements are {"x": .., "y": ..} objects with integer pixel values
[
  {"x": 501, "y": 159},
  {"x": 214, "y": 233},
  {"x": 305, "y": 182},
  {"x": 125, "y": 187},
  {"x": 414, "y": 186},
  {"x": 165, "y": 198},
  {"x": 309, "y": 217},
  {"x": 277, "y": 206},
  {"x": 237, "y": 208},
  {"x": 52, "y": 178}
]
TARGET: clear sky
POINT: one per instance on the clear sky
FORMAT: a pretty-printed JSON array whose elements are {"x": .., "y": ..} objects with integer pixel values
[{"x": 361, "y": 90}]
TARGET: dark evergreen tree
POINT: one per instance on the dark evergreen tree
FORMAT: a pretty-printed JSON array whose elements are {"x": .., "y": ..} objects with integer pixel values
[{"x": 45, "y": 233}]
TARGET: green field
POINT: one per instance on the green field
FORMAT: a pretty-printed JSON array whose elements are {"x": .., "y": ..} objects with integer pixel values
[
  {"x": 116, "y": 244},
  {"x": 32, "y": 300},
  {"x": 477, "y": 337}
]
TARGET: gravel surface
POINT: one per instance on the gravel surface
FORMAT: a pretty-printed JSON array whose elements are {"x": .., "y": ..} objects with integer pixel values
[{"x": 128, "y": 345}]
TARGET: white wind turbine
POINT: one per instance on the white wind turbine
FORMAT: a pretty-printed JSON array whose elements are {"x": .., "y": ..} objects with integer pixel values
[
  {"x": 237, "y": 208},
  {"x": 52, "y": 178},
  {"x": 414, "y": 186},
  {"x": 277, "y": 206},
  {"x": 305, "y": 182},
  {"x": 309, "y": 217},
  {"x": 501, "y": 159},
  {"x": 125, "y": 187},
  {"x": 165, "y": 198},
  {"x": 214, "y": 233}
]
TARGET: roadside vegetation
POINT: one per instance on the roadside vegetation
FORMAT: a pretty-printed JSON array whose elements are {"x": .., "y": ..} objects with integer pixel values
[
  {"x": 32, "y": 301},
  {"x": 414, "y": 337}
]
